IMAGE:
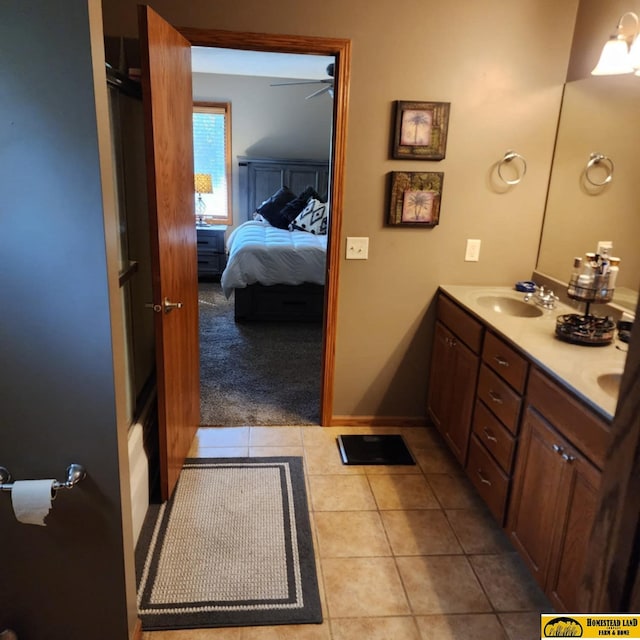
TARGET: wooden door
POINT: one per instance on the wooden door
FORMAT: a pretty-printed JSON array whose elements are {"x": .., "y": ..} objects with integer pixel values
[
  {"x": 533, "y": 508},
  {"x": 167, "y": 99},
  {"x": 438, "y": 401},
  {"x": 452, "y": 384},
  {"x": 576, "y": 515},
  {"x": 463, "y": 381}
]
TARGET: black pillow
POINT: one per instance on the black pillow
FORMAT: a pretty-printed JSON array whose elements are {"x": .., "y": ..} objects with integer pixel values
[
  {"x": 294, "y": 207},
  {"x": 271, "y": 208}
]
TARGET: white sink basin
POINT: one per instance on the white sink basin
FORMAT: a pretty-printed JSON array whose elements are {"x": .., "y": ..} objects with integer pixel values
[
  {"x": 510, "y": 306},
  {"x": 610, "y": 383}
]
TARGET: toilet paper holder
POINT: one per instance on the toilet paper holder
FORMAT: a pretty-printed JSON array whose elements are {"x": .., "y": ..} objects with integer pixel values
[{"x": 75, "y": 473}]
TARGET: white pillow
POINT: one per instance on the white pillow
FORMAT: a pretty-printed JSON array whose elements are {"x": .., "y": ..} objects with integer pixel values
[{"x": 313, "y": 218}]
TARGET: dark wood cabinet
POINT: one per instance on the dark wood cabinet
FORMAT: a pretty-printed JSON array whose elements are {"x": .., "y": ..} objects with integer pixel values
[
  {"x": 535, "y": 497},
  {"x": 533, "y": 450},
  {"x": 552, "y": 508},
  {"x": 212, "y": 258},
  {"x": 454, "y": 373},
  {"x": 496, "y": 422}
]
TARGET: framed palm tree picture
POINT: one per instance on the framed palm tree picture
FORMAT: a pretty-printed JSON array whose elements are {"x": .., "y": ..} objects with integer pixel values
[
  {"x": 420, "y": 130},
  {"x": 415, "y": 198}
]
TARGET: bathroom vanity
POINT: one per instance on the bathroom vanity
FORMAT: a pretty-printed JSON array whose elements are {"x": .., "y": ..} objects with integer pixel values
[{"x": 528, "y": 417}]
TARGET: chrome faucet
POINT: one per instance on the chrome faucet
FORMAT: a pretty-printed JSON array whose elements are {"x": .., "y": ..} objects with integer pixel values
[{"x": 543, "y": 298}]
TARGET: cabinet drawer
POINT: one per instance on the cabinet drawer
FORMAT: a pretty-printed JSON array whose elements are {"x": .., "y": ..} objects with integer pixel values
[
  {"x": 490, "y": 481},
  {"x": 495, "y": 438},
  {"x": 586, "y": 431},
  {"x": 505, "y": 361},
  {"x": 209, "y": 263},
  {"x": 501, "y": 399},
  {"x": 460, "y": 323},
  {"x": 209, "y": 240}
]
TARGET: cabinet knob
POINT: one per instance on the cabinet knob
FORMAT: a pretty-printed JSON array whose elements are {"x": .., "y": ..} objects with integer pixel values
[
  {"x": 567, "y": 458},
  {"x": 557, "y": 448},
  {"x": 501, "y": 361},
  {"x": 482, "y": 478},
  {"x": 495, "y": 397}
]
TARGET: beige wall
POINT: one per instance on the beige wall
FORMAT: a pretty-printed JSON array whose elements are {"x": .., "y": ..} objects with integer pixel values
[
  {"x": 269, "y": 122},
  {"x": 501, "y": 65}
]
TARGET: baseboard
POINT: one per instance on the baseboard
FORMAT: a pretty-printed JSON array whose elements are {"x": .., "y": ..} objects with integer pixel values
[
  {"x": 137, "y": 632},
  {"x": 378, "y": 421}
]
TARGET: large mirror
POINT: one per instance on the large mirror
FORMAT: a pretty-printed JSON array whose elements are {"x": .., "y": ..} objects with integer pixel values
[{"x": 599, "y": 115}]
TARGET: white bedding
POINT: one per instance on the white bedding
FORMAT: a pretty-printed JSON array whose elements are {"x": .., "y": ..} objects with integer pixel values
[{"x": 261, "y": 253}]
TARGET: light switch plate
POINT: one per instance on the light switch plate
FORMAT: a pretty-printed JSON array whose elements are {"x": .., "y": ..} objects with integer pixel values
[
  {"x": 357, "y": 248},
  {"x": 472, "y": 253}
]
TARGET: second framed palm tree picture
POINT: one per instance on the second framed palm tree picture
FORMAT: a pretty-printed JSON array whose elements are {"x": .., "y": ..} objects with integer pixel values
[
  {"x": 415, "y": 198},
  {"x": 420, "y": 130}
]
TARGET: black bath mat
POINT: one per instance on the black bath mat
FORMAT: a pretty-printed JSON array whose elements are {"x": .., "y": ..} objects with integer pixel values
[{"x": 374, "y": 449}]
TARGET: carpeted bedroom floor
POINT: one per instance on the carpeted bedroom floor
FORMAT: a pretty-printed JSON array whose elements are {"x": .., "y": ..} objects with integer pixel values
[{"x": 256, "y": 374}]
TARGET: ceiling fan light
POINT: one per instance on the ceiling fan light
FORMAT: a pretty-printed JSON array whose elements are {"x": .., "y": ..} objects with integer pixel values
[{"x": 614, "y": 59}]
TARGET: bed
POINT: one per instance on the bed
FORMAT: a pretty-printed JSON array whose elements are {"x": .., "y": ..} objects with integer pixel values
[{"x": 275, "y": 274}]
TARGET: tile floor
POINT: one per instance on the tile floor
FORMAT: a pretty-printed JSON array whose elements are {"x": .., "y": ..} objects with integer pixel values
[{"x": 403, "y": 553}]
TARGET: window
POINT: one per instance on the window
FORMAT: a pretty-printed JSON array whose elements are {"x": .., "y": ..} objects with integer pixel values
[{"x": 212, "y": 157}]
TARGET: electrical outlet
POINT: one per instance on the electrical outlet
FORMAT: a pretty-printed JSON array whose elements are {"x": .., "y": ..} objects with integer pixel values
[
  {"x": 472, "y": 253},
  {"x": 604, "y": 244},
  {"x": 357, "y": 248}
]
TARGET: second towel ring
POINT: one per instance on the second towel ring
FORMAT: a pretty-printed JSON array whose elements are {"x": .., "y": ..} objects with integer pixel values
[
  {"x": 595, "y": 159},
  {"x": 509, "y": 157}
]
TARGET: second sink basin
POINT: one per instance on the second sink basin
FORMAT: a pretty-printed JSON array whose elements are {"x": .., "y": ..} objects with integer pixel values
[
  {"x": 510, "y": 306},
  {"x": 610, "y": 383}
]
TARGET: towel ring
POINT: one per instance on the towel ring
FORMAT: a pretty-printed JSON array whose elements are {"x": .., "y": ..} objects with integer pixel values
[
  {"x": 595, "y": 159},
  {"x": 509, "y": 157}
]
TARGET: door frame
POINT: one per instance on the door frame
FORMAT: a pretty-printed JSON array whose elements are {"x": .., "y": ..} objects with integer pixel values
[{"x": 340, "y": 48}]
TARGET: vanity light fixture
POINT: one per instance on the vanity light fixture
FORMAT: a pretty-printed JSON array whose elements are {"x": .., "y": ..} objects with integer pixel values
[{"x": 620, "y": 54}]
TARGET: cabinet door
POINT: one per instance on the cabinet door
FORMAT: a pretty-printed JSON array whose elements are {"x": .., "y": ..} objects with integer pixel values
[
  {"x": 438, "y": 400},
  {"x": 463, "y": 389},
  {"x": 533, "y": 507},
  {"x": 454, "y": 373},
  {"x": 573, "y": 526}
]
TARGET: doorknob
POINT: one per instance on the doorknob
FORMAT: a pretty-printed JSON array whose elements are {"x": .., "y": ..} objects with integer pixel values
[{"x": 170, "y": 306}]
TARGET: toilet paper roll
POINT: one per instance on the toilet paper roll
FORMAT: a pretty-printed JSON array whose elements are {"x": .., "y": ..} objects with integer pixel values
[{"x": 31, "y": 500}]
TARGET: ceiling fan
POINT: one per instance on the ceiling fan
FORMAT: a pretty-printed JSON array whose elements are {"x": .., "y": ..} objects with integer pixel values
[{"x": 328, "y": 82}]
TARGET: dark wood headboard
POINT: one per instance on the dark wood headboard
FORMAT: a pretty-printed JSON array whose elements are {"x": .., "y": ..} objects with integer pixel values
[{"x": 258, "y": 178}]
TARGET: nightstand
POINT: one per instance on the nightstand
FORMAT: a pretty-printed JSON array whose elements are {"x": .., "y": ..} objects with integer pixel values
[{"x": 212, "y": 258}]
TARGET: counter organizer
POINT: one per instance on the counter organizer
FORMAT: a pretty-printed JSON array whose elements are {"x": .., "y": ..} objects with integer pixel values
[{"x": 587, "y": 329}]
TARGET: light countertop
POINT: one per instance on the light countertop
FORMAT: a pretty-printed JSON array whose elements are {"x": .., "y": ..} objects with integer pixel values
[{"x": 576, "y": 366}]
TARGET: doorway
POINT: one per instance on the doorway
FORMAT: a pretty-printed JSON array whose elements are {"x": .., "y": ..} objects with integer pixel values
[
  {"x": 265, "y": 370},
  {"x": 340, "y": 49}
]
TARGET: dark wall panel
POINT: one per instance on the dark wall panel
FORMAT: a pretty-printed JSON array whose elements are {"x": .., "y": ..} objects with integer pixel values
[{"x": 56, "y": 373}]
